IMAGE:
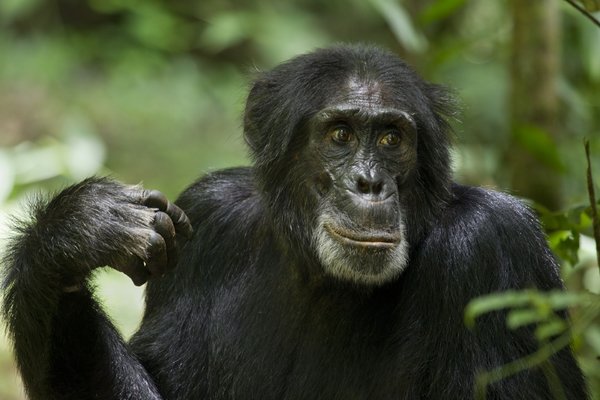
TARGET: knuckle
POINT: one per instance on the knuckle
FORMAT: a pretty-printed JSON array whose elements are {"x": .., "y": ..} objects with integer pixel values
[
  {"x": 164, "y": 225},
  {"x": 156, "y": 244},
  {"x": 156, "y": 199}
]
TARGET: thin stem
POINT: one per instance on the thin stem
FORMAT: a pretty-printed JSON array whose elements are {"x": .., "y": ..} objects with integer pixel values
[
  {"x": 543, "y": 354},
  {"x": 584, "y": 12},
  {"x": 592, "y": 194}
]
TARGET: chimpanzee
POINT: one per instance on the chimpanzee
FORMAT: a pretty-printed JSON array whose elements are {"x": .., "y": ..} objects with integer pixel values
[{"x": 338, "y": 266}]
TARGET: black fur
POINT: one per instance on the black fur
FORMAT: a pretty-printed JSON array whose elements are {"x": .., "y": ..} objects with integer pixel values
[{"x": 250, "y": 312}]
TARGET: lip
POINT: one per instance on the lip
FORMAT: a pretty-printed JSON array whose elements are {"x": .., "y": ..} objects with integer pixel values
[
  {"x": 369, "y": 199},
  {"x": 376, "y": 240}
]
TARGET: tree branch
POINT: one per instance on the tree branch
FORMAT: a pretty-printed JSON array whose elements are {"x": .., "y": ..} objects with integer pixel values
[
  {"x": 592, "y": 194},
  {"x": 584, "y": 12}
]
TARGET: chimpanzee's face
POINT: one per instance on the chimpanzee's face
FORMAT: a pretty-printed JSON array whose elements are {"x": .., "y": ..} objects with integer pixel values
[{"x": 365, "y": 146}]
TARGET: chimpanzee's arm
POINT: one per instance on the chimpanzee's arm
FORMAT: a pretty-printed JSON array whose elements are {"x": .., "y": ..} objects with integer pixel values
[
  {"x": 66, "y": 348},
  {"x": 492, "y": 244}
]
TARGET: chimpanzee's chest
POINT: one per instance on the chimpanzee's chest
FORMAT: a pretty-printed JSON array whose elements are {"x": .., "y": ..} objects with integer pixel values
[{"x": 315, "y": 347}]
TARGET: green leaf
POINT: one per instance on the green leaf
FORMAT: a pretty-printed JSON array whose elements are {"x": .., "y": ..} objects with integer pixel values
[
  {"x": 550, "y": 329},
  {"x": 565, "y": 244},
  {"x": 495, "y": 302},
  {"x": 539, "y": 304},
  {"x": 555, "y": 222},
  {"x": 579, "y": 217},
  {"x": 559, "y": 300},
  {"x": 519, "y": 318}
]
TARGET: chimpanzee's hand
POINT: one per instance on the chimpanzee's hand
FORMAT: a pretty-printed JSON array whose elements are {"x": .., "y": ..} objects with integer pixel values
[
  {"x": 103, "y": 222},
  {"x": 169, "y": 225}
]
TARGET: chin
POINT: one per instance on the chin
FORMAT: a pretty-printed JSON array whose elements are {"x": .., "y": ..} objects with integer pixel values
[{"x": 366, "y": 257}]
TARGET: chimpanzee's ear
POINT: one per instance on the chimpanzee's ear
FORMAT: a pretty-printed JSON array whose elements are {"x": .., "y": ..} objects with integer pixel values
[
  {"x": 274, "y": 111},
  {"x": 254, "y": 114},
  {"x": 443, "y": 102}
]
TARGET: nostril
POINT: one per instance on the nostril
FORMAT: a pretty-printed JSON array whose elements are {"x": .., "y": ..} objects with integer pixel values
[
  {"x": 377, "y": 187},
  {"x": 367, "y": 186},
  {"x": 363, "y": 185}
]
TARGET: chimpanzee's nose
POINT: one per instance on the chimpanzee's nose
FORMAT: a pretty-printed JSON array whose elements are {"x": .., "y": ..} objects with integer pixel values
[
  {"x": 369, "y": 185},
  {"x": 372, "y": 186}
]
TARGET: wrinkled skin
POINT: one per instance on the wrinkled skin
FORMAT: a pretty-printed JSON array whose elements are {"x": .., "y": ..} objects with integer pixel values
[{"x": 366, "y": 149}]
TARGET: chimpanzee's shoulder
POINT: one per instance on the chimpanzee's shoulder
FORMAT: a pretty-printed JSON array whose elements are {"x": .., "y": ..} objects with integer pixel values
[
  {"x": 493, "y": 207},
  {"x": 482, "y": 223},
  {"x": 222, "y": 195}
]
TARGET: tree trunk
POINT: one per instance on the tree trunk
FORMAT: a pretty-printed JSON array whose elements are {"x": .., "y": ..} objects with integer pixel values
[{"x": 534, "y": 66}]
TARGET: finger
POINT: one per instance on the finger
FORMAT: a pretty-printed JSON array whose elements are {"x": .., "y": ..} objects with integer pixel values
[
  {"x": 135, "y": 270},
  {"x": 165, "y": 228},
  {"x": 156, "y": 261},
  {"x": 155, "y": 199},
  {"x": 182, "y": 223}
]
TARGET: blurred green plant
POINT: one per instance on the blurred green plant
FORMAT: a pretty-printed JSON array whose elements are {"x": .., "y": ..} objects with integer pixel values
[
  {"x": 532, "y": 307},
  {"x": 541, "y": 310},
  {"x": 74, "y": 155}
]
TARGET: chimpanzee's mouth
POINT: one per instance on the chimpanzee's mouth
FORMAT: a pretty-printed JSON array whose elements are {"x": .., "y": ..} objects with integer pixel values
[{"x": 371, "y": 240}]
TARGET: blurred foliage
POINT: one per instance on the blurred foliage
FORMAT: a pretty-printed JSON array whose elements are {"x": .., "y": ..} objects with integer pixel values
[
  {"x": 541, "y": 310},
  {"x": 153, "y": 90}
]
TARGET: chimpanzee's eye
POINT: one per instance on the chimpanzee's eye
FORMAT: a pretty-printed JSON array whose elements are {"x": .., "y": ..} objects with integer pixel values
[
  {"x": 341, "y": 134},
  {"x": 390, "y": 139}
]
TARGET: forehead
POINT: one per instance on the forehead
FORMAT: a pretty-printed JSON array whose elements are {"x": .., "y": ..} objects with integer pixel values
[
  {"x": 364, "y": 100},
  {"x": 362, "y": 93}
]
